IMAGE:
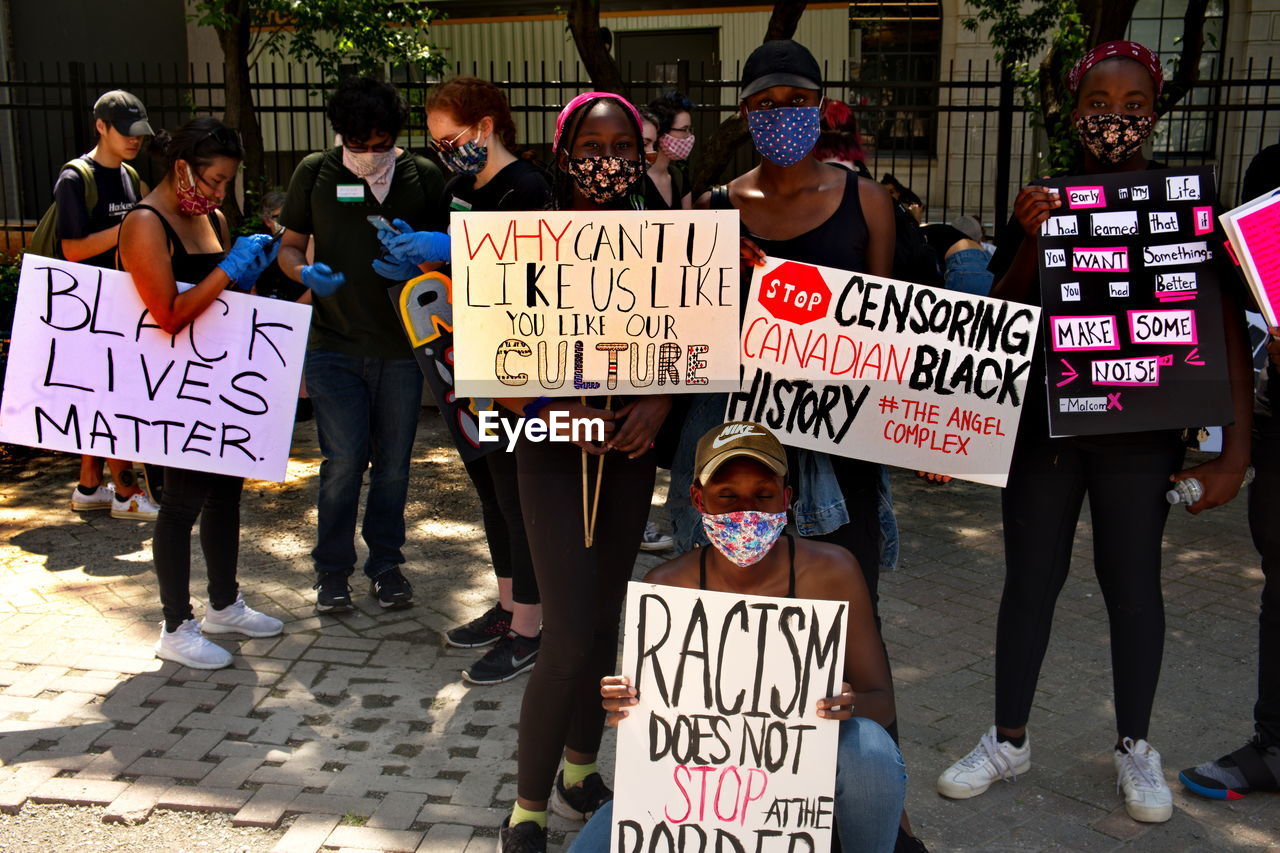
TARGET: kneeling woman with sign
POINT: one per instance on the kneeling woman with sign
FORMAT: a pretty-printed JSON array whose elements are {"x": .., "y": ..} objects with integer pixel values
[
  {"x": 598, "y": 160},
  {"x": 740, "y": 490},
  {"x": 177, "y": 234},
  {"x": 1116, "y": 86}
]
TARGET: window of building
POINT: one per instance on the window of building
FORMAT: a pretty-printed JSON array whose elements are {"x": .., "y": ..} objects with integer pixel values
[
  {"x": 1186, "y": 132},
  {"x": 893, "y": 70}
]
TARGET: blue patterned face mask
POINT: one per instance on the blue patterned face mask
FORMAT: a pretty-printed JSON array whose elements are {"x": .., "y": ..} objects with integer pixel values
[
  {"x": 785, "y": 135},
  {"x": 744, "y": 537},
  {"x": 469, "y": 158}
]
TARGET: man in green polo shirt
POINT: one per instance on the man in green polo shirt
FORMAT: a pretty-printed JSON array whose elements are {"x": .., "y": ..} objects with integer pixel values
[{"x": 363, "y": 380}]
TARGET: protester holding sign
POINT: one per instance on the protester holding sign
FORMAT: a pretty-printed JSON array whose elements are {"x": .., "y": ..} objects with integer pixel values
[
  {"x": 1255, "y": 767},
  {"x": 598, "y": 162},
  {"x": 473, "y": 132},
  {"x": 1125, "y": 476},
  {"x": 177, "y": 234},
  {"x": 89, "y": 236},
  {"x": 740, "y": 489},
  {"x": 364, "y": 383}
]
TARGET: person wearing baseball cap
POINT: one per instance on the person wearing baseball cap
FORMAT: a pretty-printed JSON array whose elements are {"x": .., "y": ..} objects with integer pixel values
[
  {"x": 88, "y": 234},
  {"x": 740, "y": 489}
]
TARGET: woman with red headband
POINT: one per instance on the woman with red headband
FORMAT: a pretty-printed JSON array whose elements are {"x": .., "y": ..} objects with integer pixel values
[{"x": 1125, "y": 476}]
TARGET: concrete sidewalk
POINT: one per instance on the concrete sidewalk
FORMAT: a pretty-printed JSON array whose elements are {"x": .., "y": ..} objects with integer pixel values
[{"x": 356, "y": 731}]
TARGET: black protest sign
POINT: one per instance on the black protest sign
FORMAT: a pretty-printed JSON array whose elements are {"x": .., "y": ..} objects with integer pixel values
[
  {"x": 425, "y": 308},
  {"x": 1130, "y": 268}
]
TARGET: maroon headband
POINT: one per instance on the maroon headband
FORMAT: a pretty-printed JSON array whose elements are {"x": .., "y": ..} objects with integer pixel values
[{"x": 1128, "y": 50}]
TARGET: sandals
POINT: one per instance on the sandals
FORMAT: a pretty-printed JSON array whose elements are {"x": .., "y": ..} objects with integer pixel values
[{"x": 1251, "y": 768}]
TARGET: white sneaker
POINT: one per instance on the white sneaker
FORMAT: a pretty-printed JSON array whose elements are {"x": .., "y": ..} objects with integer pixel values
[
  {"x": 654, "y": 539},
  {"x": 138, "y": 507},
  {"x": 188, "y": 647},
  {"x": 240, "y": 618},
  {"x": 990, "y": 761},
  {"x": 1140, "y": 775},
  {"x": 100, "y": 499}
]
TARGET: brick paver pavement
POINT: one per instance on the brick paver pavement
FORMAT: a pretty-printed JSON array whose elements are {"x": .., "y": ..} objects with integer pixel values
[{"x": 356, "y": 731}]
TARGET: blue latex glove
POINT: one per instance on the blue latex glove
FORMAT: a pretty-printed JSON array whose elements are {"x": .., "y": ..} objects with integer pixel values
[
  {"x": 321, "y": 280},
  {"x": 248, "y": 257},
  {"x": 395, "y": 270},
  {"x": 418, "y": 247},
  {"x": 399, "y": 226}
]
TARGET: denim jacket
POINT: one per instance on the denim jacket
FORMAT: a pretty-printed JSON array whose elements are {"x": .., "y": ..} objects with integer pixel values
[{"x": 819, "y": 507}]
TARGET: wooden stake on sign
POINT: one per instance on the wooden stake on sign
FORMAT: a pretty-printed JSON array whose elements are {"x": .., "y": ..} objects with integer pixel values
[
  {"x": 595, "y": 502},
  {"x": 586, "y": 521}
]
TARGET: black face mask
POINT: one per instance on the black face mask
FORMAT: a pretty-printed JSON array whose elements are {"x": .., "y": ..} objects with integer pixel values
[{"x": 1113, "y": 138}]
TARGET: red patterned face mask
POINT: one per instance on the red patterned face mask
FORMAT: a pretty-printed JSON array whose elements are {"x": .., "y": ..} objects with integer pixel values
[
  {"x": 1113, "y": 138},
  {"x": 192, "y": 202},
  {"x": 676, "y": 149}
]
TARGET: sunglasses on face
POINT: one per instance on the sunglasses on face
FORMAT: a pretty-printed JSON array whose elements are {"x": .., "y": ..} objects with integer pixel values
[
  {"x": 362, "y": 148},
  {"x": 446, "y": 145}
]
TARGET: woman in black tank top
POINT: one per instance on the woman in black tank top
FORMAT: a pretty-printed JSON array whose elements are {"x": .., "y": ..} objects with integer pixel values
[{"x": 177, "y": 234}]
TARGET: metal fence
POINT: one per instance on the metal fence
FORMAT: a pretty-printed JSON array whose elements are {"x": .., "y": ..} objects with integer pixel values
[{"x": 963, "y": 144}]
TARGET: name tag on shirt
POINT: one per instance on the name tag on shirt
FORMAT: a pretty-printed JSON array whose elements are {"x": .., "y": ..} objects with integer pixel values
[
  {"x": 459, "y": 204},
  {"x": 350, "y": 192}
]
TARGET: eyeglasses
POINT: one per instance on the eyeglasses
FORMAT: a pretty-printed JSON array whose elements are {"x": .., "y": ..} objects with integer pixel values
[
  {"x": 360, "y": 148},
  {"x": 444, "y": 146}
]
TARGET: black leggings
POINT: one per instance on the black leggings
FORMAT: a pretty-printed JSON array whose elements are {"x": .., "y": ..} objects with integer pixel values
[
  {"x": 859, "y": 483},
  {"x": 1264, "y": 504},
  {"x": 215, "y": 498},
  {"x": 494, "y": 477},
  {"x": 1126, "y": 483},
  {"x": 582, "y": 593}
]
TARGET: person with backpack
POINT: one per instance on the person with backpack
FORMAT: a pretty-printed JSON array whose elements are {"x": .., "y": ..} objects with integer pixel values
[
  {"x": 364, "y": 383},
  {"x": 90, "y": 199}
]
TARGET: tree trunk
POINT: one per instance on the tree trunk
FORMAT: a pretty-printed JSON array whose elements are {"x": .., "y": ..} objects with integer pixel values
[
  {"x": 785, "y": 19},
  {"x": 1188, "y": 71},
  {"x": 584, "y": 24},
  {"x": 239, "y": 112}
]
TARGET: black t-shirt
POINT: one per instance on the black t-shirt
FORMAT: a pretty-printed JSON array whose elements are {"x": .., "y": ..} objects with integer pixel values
[
  {"x": 116, "y": 197},
  {"x": 680, "y": 187},
  {"x": 520, "y": 185}
]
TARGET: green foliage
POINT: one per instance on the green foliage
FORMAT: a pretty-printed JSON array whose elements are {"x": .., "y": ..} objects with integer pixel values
[
  {"x": 334, "y": 34},
  {"x": 10, "y": 268},
  {"x": 1020, "y": 33}
]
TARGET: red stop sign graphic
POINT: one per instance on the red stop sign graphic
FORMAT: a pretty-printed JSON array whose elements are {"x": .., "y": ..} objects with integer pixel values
[{"x": 796, "y": 293}]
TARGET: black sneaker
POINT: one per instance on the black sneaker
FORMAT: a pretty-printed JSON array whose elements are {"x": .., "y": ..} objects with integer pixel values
[
  {"x": 525, "y": 837},
  {"x": 581, "y": 801},
  {"x": 392, "y": 590},
  {"x": 512, "y": 655},
  {"x": 333, "y": 593},
  {"x": 484, "y": 630}
]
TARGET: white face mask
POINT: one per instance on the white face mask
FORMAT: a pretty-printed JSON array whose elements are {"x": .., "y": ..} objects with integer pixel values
[{"x": 366, "y": 163}]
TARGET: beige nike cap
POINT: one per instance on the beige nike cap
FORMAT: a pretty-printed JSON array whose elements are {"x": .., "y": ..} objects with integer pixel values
[{"x": 734, "y": 439}]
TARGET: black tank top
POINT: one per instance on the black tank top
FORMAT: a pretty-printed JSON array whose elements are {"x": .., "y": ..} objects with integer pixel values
[
  {"x": 839, "y": 242},
  {"x": 791, "y": 569},
  {"x": 187, "y": 266}
]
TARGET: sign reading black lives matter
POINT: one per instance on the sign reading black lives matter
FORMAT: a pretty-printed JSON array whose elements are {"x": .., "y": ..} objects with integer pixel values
[
  {"x": 725, "y": 749},
  {"x": 566, "y": 303},
  {"x": 1129, "y": 284},
  {"x": 883, "y": 370},
  {"x": 90, "y": 372}
]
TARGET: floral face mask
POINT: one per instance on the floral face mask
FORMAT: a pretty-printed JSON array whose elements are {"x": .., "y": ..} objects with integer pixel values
[
  {"x": 192, "y": 202},
  {"x": 744, "y": 537},
  {"x": 603, "y": 179},
  {"x": 1113, "y": 138}
]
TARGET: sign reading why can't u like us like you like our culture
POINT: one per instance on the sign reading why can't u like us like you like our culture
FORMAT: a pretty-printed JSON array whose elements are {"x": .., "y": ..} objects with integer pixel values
[
  {"x": 570, "y": 303},
  {"x": 89, "y": 371}
]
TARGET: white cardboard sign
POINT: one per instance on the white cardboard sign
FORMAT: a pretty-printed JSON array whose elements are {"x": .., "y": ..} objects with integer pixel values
[
  {"x": 89, "y": 371},
  {"x": 725, "y": 743},
  {"x": 887, "y": 371},
  {"x": 566, "y": 303}
]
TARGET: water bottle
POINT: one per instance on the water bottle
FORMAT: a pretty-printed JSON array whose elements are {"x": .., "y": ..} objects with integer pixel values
[{"x": 1190, "y": 490}]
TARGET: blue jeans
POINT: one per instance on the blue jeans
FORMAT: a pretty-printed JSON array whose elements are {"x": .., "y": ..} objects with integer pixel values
[
  {"x": 967, "y": 272},
  {"x": 871, "y": 786},
  {"x": 366, "y": 412}
]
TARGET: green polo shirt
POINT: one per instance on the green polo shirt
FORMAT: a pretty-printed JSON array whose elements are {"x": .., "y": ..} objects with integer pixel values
[{"x": 331, "y": 204}]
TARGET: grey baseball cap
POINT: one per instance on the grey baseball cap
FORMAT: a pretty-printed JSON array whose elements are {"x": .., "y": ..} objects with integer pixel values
[{"x": 123, "y": 111}]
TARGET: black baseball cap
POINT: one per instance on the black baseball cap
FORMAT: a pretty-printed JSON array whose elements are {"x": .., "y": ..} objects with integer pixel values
[
  {"x": 123, "y": 111},
  {"x": 781, "y": 62}
]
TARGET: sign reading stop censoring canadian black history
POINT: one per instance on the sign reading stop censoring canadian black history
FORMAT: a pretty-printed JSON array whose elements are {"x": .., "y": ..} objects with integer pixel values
[
  {"x": 1132, "y": 306},
  {"x": 883, "y": 370}
]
